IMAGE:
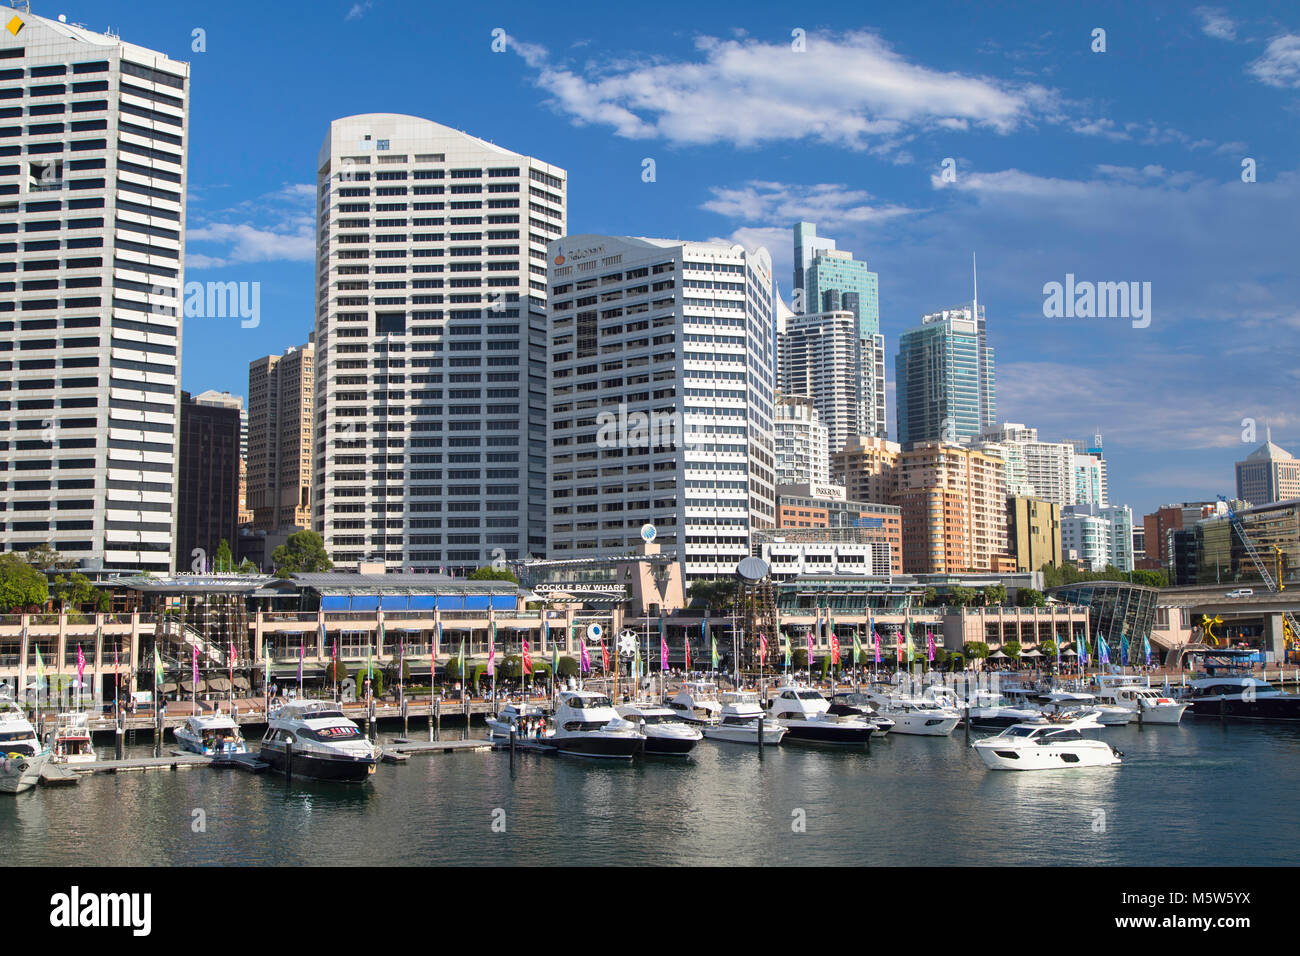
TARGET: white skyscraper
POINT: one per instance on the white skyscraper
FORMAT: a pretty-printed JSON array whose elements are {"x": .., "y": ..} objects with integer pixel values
[
  {"x": 801, "y": 443},
  {"x": 662, "y": 392},
  {"x": 430, "y": 344},
  {"x": 821, "y": 356},
  {"x": 1102, "y": 534},
  {"x": 93, "y": 138},
  {"x": 1035, "y": 469}
]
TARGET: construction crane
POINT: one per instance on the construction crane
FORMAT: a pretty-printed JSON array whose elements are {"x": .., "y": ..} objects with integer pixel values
[{"x": 1274, "y": 584}]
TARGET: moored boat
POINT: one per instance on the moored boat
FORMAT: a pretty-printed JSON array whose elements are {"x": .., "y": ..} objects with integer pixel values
[
  {"x": 804, "y": 713},
  {"x": 211, "y": 735},
  {"x": 70, "y": 741},
  {"x": 738, "y": 722},
  {"x": 312, "y": 738},
  {"x": 528, "y": 721},
  {"x": 1051, "y": 745},
  {"x": 586, "y": 725},
  {"x": 665, "y": 734}
]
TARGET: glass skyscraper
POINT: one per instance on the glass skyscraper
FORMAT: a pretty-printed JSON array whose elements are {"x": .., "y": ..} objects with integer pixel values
[{"x": 944, "y": 375}]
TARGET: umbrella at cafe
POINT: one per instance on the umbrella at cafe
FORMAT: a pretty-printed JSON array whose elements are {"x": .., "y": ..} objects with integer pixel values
[
  {"x": 1033, "y": 653},
  {"x": 998, "y": 655}
]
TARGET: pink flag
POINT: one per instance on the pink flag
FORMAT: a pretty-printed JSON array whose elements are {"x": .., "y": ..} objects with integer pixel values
[
  {"x": 663, "y": 654},
  {"x": 929, "y": 637},
  {"x": 196, "y": 668},
  {"x": 492, "y": 655},
  {"x": 586, "y": 659},
  {"x": 81, "y": 664},
  {"x": 762, "y": 650}
]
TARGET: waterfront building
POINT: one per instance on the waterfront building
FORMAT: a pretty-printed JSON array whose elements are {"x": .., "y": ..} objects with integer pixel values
[
  {"x": 1268, "y": 474},
  {"x": 430, "y": 443},
  {"x": 819, "y": 355},
  {"x": 1033, "y": 532},
  {"x": 1215, "y": 553},
  {"x": 662, "y": 396},
  {"x": 953, "y": 502},
  {"x": 281, "y": 402},
  {"x": 791, "y": 552},
  {"x": 826, "y": 506},
  {"x": 801, "y": 442},
  {"x": 99, "y": 172},
  {"x": 1116, "y": 609},
  {"x": 944, "y": 378}
]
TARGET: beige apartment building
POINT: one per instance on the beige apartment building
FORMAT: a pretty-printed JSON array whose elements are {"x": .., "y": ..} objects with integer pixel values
[
  {"x": 281, "y": 391},
  {"x": 953, "y": 502},
  {"x": 866, "y": 468}
]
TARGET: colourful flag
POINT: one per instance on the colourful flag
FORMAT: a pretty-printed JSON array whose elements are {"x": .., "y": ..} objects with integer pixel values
[
  {"x": 876, "y": 637},
  {"x": 785, "y": 646},
  {"x": 835, "y": 649},
  {"x": 1103, "y": 651},
  {"x": 1123, "y": 650},
  {"x": 686, "y": 643},
  {"x": 762, "y": 650},
  {"x": 663, "y": 650},
  {"x": 528, "y": 659},
  {"x": 585, "y": 663},
  {"x": 157, "y": 668},
  {"x": 194, "y": 670},
  {"x": 857, "y": 647},
  {"x": 1146, "y": 649},
  {"x": 555, "y": 660},
  {"x": 899, "y": 646},
  {"x": 546, "y": 633},
  {"x": 460, "y": 659},
  {"x": 1058, "y": 650},
  {"x": 714, "y": 653},
  {"x": 1082, "y": 647},
  {"x": 492, "y": 651},
  {"x": 81, "y": 664},
  {"x": 604, "y": 658},
  {"x": 929, "y": 649}
]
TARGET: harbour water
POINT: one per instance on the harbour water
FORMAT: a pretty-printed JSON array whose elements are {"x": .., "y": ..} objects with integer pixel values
[{"x": 1199, "y": 793}]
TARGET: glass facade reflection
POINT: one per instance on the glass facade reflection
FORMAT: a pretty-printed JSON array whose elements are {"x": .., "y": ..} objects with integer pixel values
[{"x": 1116, "y": 609}]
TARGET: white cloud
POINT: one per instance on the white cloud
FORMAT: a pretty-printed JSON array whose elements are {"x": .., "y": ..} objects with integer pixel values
[
  {"x": 832, "y": 205},
  {"x": 1216, "y": 23},
  {"x": 359, "y": 10},
  {"x": 277, "y": 226},
  {"x": 1279, "y": 64},
  {"x": 851, "y": 90}
]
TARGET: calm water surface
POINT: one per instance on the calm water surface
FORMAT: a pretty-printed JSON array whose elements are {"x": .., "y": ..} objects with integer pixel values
[{"x": 1197, "y": 793}]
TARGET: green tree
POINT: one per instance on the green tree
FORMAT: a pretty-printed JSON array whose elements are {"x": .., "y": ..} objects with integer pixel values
[
  {"x": 302, "y": 553},
  {"x": 715, "y": 594},
  {"x": 569, "y": 667},
  {"x": 961, "y": 597},
  {"x": 995, "y": 594},
  {"x": 224, "y": 560},
  {"x": 1029, "y": 597},
  {"x": 1048, "y": 648},
  {"x": 247, "y": 567},
  {"x": 930, "y": 597},
  {"x": 45, "y": 558},
  {"x": 21, "y": 585},
  {"x": 73, "y": 592},
  {"x": 1012, "y": 649},
  {"x": 975, "y": 650},
  {"x": 336, "y": 672},
  {"x": 494, "y": 574}
]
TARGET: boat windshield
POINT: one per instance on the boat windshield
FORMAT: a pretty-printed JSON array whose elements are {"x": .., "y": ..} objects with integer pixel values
[
  {"x": 1021, "y": 731},
  {"x": 15, "y": 735},
  {"x": 809, "y": 695},
  {"x": 589, "y": 703}
]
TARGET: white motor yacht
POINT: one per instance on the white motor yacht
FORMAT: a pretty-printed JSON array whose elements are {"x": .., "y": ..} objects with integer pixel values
[
  {"x": 1058, "y": 701},
  {"x": 989, "y": 709},
  {"x": 665, "y": 733},
  {"x": 738, "y": 723},
  {"x": 696, "y": 702},
  {"x": 804, "y": 713},
  {"x": 21, "y": 756},
  {"x": 71, "y": 742},
  {"x": 1137, "y": 695},
  {"x": 212, "y": 735},
  {"x": 1236, "y": 696},
  {"x": 1052, "y": 745},
  {"x": 586, "y": 725},
  {"x": 853, "y": 704},
  {"x": 528, "y": 721},
  {"x": 324, "y": 744},
  {"x": 916, "y": 715}
]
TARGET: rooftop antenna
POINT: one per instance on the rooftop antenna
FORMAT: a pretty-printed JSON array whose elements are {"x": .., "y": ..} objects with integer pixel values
[{"x": 975, "y": 282}]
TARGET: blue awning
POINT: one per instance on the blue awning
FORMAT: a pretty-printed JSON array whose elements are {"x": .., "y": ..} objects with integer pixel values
[
  {"x": 423, "y": 602},
  {"x": 448, "y": 602},
  {"x": 334, "y": 602},
  {"x": 365, "y": 603},
  {"x": 504, "y": 602},
  {"x": 393, "y": 602},
  {"x": 476, "y": 602}
]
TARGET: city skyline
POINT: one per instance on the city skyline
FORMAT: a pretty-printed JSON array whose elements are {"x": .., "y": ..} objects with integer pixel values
[{"x": 1041, "y": 131}]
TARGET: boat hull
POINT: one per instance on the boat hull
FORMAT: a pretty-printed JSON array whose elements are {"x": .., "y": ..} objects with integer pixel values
[
  {"x": 1001, "y": 757},
  {"x": 1272, "y": 710},
  {"x": 337, "y": 769},
  {"x": 746, "y": 734},
  {"x": 922, "y": 725},
  {"x": 812, "y": 732},
  {"x": 19, "y": 774},
  {"x": 670, "y": 746},
  {"x": 598, "y": 746}
]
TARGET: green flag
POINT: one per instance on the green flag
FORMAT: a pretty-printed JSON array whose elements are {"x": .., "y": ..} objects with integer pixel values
[
  {"x": 555, "y": 658},
  {"x": 785, "y": 646},
  {"x": 857, "y": 648},
  {"x": 714, "y": 642},
  {"x": 40, "y": 669},
  {"x": 460, "y": 659},
  {"x": 157, "y": 669}
]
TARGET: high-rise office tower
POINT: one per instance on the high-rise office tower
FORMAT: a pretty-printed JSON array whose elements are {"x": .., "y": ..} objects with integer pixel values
[
  {"x": 1268, "y": 474},
  {"x": 281, "y": 399},
  {"x": 1092, "y": 484},
  {"x": 944, "y": 378},
  {"x": 832, "y": 280},
  {"x": 92, "y": 214},
  {"x": 953, "y": 502},
  {"x": 430, "y": 444},
  {"x": 208, "y": 499},
  {"x": 661, "y": 388}
]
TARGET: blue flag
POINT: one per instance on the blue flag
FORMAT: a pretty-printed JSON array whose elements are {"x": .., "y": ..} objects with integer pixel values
[
  {"x": 1146, "y": 649},
  {"x": 1123, "y": 650},
  {"x": 1103, "y": 651}
]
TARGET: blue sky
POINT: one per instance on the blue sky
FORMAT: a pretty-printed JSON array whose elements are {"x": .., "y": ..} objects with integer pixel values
[{"x": 1123, "y": 165}]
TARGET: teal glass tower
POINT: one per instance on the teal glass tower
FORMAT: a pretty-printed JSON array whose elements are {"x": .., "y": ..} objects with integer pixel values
[{"x": 944, "y": 375}]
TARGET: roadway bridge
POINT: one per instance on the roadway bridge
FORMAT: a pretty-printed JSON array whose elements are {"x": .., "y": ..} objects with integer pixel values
[{"x": 1262, "y": 608}]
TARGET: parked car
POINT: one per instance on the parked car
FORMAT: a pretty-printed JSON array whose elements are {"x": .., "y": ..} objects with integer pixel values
[{"x": 1241, "y": 592}]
